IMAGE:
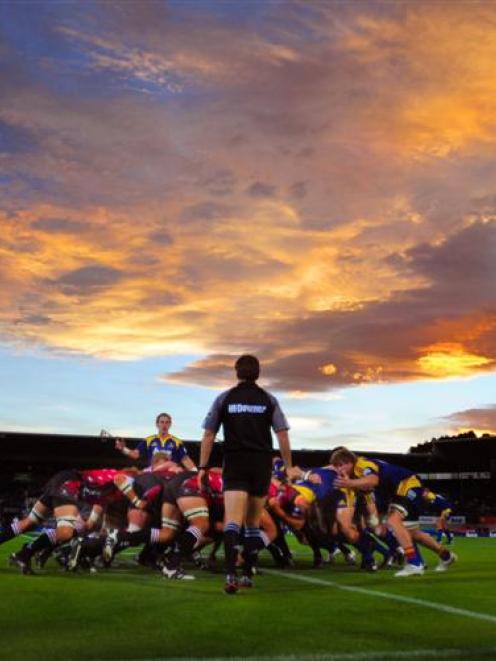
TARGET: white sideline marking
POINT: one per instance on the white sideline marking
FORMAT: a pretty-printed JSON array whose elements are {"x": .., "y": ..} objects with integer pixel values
[
  {"x": 387, "y": 595},
  {"x": 346, "y": 656}
]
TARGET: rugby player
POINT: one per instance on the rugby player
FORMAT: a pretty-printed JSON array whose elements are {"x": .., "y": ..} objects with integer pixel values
[
  {"x": 443, "y": 508},
  {"x": 63, "y": 496},
  {"x": 400, "y": 487},
  {"x": 163, "y": 441}
]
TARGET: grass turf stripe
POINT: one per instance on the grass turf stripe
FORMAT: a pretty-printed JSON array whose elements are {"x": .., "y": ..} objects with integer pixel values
[
  {"x": 444, "y": 608},
  {"x": 487, "y": 652}
]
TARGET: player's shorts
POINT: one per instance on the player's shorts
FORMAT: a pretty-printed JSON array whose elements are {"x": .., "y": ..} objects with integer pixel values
[
  {"x": 143, "y": 483},
  {"x": 146, "y": 481},
  {"x": 182, "y": 485},
  {"x": 62, "y": 489},
  {"x": 247, "y": 471},
  {"x": 408, "y": 499}
]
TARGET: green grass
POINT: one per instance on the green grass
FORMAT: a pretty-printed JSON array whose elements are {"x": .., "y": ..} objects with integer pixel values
[{"x": 132, "y": 613}]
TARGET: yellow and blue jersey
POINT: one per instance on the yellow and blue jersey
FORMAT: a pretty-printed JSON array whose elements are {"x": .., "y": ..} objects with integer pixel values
[
  {"x": 392, "y": 479},
  {"x": 170, "y": 445},
  {"x": 438, "y": 504},
  {"x": 311, "y": 491},
  {"x": 279, "y": 470}
]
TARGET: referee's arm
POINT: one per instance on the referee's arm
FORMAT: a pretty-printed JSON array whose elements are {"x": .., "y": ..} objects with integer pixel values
[
  {"x": 285, "y": 448},
  {"x": 206, "y": 447},
  {"x": 211, "y": 426},
  {"x": 281, "y": 427}
]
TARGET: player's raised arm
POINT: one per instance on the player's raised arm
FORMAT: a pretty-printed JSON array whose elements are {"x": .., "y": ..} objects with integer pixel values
[{"x": 120, "y": 444}]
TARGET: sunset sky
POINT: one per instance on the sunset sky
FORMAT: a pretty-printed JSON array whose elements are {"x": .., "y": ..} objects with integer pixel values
[{"x": 315, "y": 183}]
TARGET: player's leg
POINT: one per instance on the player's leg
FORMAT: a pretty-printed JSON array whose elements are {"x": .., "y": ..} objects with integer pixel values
[
  {"x": 260, "y": 530},
  {"x": 359, "y": 538},
  {"x": 66, "y": 517},
  {"x": 413, "y": 561},
  {"x": 446, "y": 557},
  {"x": 36, "y": 516},
  {"x": 235, "y": 504},
  {"x": 195, "y": 510}
]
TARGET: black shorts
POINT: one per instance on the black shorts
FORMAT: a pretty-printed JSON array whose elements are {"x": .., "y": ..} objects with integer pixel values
[
  {"x": 247, "y": 471},
  {"x": 175, "y": 488},
  {"x": 146, "y": 481},
  {"x": 143, "y": 483},
  {"x": 62, "y": 489}
]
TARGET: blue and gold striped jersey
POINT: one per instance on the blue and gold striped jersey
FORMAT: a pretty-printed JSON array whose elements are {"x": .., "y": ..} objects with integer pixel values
[
  {"x": 172, "y": 446},
  {"x": 312, "y": 491},
  {"x": 438, "y": 504},
  {"x": 392, "y": 478}
]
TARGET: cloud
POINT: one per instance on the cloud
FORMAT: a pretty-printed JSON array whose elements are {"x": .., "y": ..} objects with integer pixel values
[
  {"x": 63, "y": 225},
  {"x": 259, "y": 189},
  {"x": 316, "y": 187},
  {"x": 479, "y": 419},
  {"x": 85, "y": 280},
  {"x": 429, "y": 332}
]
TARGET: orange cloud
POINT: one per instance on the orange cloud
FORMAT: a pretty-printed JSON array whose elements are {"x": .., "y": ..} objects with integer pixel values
[{"x": 319, "y": 190}]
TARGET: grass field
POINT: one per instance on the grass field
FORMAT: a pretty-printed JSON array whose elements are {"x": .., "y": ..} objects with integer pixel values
[{"x": 333, "y": 613}]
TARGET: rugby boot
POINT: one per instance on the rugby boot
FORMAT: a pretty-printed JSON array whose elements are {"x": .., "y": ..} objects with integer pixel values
[{"x": 231, "y": 586}]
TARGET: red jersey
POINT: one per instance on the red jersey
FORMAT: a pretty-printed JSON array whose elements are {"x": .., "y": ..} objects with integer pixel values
[{"x": 98, "y": 488}]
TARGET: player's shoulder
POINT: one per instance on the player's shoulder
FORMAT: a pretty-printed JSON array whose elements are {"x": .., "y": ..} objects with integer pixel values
[
  {"x": 365, "y": 464},
  {"x": 149, "y": 439},
  {"x": 365, "y": 461},
  {"x": 175, "y": 439}
]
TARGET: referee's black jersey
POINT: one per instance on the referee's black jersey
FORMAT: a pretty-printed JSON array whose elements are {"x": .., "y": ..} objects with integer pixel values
[{"x": 247, "y": 414}]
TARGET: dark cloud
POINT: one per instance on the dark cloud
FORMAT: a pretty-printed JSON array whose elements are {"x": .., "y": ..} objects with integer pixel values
[
  {"x": 16, "y": 139},
  {"x": 204, "y": 211},
  {"x": 88, "y": 280},
  {"x": 216, "y": 369},
  {"x": 61, "y": 225},
  {"x": 298, "y": 190},
  {"x": 22, "y": 244},
  {"x": 259, "y": 189},
  {"x": 161, "y": 299},
  {"x": 463, "y": 263},
  {"x": 34, "y": 320},
  {"x": 220, "y": 183},
  {"x": 162, "y": 237},
  {"x": 144, "y": 259}
]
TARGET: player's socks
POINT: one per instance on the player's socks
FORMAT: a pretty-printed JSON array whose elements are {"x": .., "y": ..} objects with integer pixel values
[
  {"x": 377, "y": 545},
  {"x": 92, "y": 546},
  {"x": 281, "y": 542},
  {"x": 444, "y": 554},
  {"x": 190, "y": 538},
  {"x": 126, "y": 539},
  {"x": 22, "y": 558},
  {"x": 364, "y": 546},
  {"x": 184, "y": 546},
  {"x": 9, "y": 532},
  {"x": 254, "y": 541},
  {"x": 439, "y": 536},
  {"x": 412, "y": 556},
  {"x": 231, "y": 546},
  {"x": 276, "y": 553},
  {"x": 46, "y": 540},
  {"x": 390, "y": 540}
]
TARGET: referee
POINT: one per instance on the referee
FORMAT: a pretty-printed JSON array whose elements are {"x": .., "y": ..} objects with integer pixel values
[{"x": 247, "y": 414}]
